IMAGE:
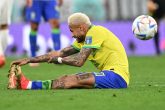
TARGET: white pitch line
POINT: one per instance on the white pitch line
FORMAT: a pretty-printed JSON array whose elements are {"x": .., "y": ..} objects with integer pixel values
[
  {"x": 148, "y": 82},
  {"x": 150, "y": 85},
  {"x": 144, "y": 84}
]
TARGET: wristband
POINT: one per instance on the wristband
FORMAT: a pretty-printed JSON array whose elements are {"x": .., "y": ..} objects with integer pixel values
[{"x": 59, "y": 59}]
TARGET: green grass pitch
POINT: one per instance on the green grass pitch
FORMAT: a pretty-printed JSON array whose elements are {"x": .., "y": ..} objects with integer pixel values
[{"x": 146, "y": 90}]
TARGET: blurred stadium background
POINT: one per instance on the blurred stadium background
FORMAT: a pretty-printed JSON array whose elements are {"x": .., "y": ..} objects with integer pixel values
[{"x": 117, "y": 15}]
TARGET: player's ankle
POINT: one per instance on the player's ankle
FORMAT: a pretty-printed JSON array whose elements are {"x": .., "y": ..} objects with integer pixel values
[{"x": 23, "y": 82}]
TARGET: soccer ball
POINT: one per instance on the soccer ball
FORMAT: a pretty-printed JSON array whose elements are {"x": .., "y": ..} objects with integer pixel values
[{"x": 144, "y": 27}]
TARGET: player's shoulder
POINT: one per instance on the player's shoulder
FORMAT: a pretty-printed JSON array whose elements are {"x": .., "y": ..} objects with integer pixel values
[{"x": 94, "y": 29}]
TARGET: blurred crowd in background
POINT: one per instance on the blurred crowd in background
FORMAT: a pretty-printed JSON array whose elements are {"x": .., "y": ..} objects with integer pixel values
[
  {"x": 116, "y": 15},
  {"x": 97, "y": 10}
]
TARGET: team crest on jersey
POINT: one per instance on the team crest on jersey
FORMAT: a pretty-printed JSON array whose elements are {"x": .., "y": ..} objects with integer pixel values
[{"x": 88, "y": 40}]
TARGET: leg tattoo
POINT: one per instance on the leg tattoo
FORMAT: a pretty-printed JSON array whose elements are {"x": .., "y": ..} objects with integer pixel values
[
  {"x": 83, "y": 76},
  {"x": 58, "y": 84},
  {"x": 83, "y": 80}
]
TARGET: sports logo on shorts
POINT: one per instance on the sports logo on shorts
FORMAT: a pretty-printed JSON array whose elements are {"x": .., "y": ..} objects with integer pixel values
[
  {"x": 32, "y": 15},
  {"x": 99, "y": 73},
  {"x": 56, "y": 8},
  {"x": 88, "y": 40}
]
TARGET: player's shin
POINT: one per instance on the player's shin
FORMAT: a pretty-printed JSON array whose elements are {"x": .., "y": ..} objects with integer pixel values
[
  {"x": 41, "y": 84},
  {"x": 33, "y": 41},
  {"x": 4, "y": 34},
  {"x": 35, "y": 85},
  {"x": 56, "y": 38}
]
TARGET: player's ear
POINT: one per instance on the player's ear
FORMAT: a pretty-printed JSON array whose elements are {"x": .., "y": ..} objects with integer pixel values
[{"x": 82, "y": 27}]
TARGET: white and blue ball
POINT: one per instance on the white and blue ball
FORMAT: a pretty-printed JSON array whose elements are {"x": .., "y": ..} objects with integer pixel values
[{"x": 144, "y": 27}]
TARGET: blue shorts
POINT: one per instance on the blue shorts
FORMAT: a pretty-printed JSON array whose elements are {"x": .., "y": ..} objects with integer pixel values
[
  {"x": 109, "y": 79},
  {"x": 47, "y": 9}
]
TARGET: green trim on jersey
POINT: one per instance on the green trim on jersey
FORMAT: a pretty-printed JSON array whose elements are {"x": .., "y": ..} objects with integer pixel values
[
  {"x": 97, "y": 47},
  {"x": 76, "y": 47}
]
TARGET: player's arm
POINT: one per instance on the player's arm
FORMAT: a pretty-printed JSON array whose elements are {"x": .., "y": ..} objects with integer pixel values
[
  {"x": 77, "y": 59},
  {"x": 63, "y": 53},
  {"x": 38, "y": 59},
  {"x": 46, "y": 57},
  {"x": 68, "y": 51},
  {"x": 54, "y": 54}
]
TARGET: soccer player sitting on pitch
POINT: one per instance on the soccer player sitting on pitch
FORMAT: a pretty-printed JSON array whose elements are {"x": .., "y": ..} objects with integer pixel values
[{"x": 95, "y": 43}]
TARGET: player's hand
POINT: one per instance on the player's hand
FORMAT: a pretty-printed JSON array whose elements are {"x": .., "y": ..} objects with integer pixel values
[
  {"x": 53, "y": 56},
  {"x": 21, "y": 62},
  {"x": 53, "y": 60}
]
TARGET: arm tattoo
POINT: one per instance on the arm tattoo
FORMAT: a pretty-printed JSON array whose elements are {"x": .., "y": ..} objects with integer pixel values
[
  {"x": 38, "y": 59},
  {"x": 68, "y": 51},
  {"x": 77, "y": 59},
  {"x": 44, "y": 58}
]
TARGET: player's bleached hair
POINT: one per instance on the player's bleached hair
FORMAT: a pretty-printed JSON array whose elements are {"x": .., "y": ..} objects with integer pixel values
[{"x": 78, "y": 18}]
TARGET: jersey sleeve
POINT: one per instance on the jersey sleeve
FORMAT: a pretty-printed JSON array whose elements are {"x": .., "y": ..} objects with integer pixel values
[{"x": 93, "y": 40}]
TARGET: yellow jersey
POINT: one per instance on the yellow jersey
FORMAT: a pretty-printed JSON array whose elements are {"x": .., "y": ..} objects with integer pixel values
[{"x": 108, "y": 52}]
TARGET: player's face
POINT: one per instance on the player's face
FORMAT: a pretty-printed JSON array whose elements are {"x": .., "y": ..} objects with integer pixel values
[{"x": 78, "y": 32}]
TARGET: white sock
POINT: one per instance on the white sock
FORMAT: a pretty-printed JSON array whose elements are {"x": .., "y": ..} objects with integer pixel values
[
  {"x": 1, "y": 51},
  {"x": 29, "y": 86},
  {"x": 3, "y": 40}
]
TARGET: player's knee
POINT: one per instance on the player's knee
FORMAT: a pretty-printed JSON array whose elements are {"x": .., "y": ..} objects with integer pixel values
[
  {"x": 85, "y": 80},
  {"x": 64, "y": 82},
  {"x": 71, "y": 81},
  {"x": 54, "y": 23},
  {"x": 34, "y": 26}
]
